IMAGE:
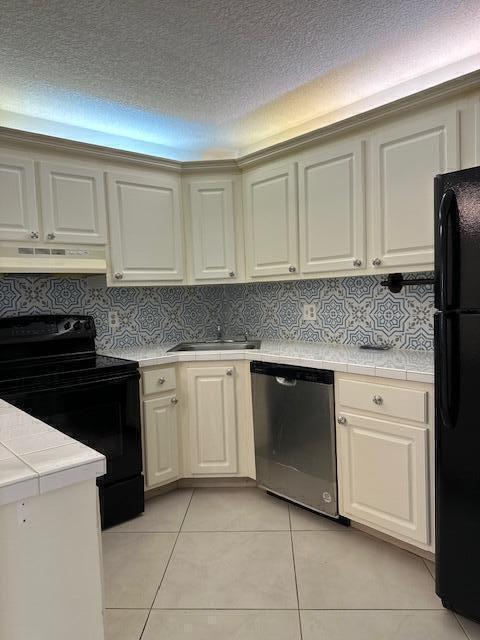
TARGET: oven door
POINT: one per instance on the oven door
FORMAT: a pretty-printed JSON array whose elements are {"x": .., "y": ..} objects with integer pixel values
[{"x": 103, "y": 413}]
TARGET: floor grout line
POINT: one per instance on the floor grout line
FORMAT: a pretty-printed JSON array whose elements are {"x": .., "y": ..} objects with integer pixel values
[
  {"x": 295, "y": 574},
  {"x": 461, "y": 625},
  {"x": 166, "y": 566}
]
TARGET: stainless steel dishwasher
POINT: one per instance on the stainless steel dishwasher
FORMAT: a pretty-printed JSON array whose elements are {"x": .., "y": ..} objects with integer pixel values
[{"x": 293, "y": 417}]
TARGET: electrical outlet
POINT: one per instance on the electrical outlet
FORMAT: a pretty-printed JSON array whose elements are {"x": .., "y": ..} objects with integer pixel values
[
  {"x": 309, "y": 312},
  {"x": 113, "y": 320}
]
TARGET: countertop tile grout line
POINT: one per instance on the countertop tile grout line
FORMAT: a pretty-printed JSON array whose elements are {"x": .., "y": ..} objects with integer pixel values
[
  {"x": 166, "y": 566},
  {"x": 295, "y": 573}
]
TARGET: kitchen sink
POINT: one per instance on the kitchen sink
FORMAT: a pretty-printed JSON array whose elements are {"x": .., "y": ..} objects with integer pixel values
[{"x": 217, "y": 345}]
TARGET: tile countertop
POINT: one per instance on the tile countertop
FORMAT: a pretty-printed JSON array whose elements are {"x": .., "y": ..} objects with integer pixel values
[
  {"x": 36, "y": 458},
  {"x": 416, "y": 366}
]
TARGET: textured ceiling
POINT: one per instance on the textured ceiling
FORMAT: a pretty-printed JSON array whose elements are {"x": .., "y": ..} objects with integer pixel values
[{"x": 217, "y": 78}]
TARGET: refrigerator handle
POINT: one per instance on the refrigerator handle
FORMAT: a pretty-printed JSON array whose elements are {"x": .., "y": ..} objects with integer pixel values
[
  {"x": 448, "y": 202},
  {"x": 449, "y": 374}
]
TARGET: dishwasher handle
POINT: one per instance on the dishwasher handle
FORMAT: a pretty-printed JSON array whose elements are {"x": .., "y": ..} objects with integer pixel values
[{"x": 286, "y": 382}]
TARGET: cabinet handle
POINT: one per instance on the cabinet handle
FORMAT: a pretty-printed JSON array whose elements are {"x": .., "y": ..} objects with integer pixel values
[
  {"x": 161, "y": 380},
  {"x": 229, "y": 372},
  {"x": 341, "y": 420},
  {"x": 357, "y": 262},
  {"x": 34, "y": 235},
  {"x": 292, "y": 269},
  {"x": 118, "y": 276},
  {"x": 174, "y": 400},
  {"x": 232, "y": 274},
  {"x": 50, "y": 236},
  {"x": 376, "y": 262},
  {"x": 377, "y": 399}
]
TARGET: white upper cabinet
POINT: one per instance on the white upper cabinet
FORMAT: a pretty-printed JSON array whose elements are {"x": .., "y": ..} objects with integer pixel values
[
  {"x": 146, "y": 230},
  {"x": 406, "y": 155},
  {"x": 18, "y": 204},
  {"x": 331, "y": 192},
  {"x": 271, "y": 234},
  {"x": 212, "y": 227},
  {"x": 73, "y": 203}
]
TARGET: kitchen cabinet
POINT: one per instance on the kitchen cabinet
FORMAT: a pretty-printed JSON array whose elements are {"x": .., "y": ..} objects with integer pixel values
[
  {"x": 19, "y": 216},
  {"x": 214, "y": 234},
  {"x": 73, "y": 203},
  {"x": 212, "y": 420},
  {"x": 146, "y": 228},
  {"x": 331, "y": 192},
  {"x": 271, "y": 223},
  {"x": 406, "y": 155},
  {"x": 385, "y": 456},
  {"x": 160, "y": 440}
]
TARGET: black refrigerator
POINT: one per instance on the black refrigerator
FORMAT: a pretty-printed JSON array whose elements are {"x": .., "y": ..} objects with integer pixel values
[{"x": 457, "y": 390}]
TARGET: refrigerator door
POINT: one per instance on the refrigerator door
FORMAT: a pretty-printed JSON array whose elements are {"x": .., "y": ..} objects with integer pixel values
[
  {"x": 457, "y": 437},
  {"x": 457, "y": 240}
]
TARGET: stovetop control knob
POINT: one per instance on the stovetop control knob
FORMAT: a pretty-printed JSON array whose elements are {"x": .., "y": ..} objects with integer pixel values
[
  {"x": 77, "y": 325},
  {"x": 67, "y": 326},
  {"x": 87, "y": 325}
]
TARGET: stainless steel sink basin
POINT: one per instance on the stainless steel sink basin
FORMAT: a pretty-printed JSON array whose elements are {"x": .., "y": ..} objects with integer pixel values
[{"x": 217, "y": 345}]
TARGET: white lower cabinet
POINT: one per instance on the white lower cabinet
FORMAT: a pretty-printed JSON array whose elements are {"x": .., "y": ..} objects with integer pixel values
[
  {"x": 385, "y": 463},
  {"x": 212, "y": 420},
  {"x": 160, "y": 440}
]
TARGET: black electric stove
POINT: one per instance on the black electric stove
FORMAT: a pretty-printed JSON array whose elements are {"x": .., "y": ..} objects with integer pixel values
[{"x": 49, "y": 368}]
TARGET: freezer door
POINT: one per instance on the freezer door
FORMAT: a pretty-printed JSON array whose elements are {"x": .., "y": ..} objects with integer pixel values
[
  {"x": 294, "y": 440},
  {"x": 457, "y": 240},
  {"x": 457, "y": 439}
]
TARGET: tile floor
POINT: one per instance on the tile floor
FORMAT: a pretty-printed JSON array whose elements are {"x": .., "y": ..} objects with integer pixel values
[{"x": 210, "y": 564}]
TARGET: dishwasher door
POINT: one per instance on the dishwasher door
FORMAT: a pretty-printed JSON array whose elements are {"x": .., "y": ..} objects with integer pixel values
[{"x": 295, "y": 434}]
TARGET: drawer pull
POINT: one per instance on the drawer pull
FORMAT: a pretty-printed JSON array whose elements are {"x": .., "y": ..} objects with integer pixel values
[
  {"x": 174, "y": 401},
  {"x": 229, "y": 372},
  {"x": 161, "y": 380},
  {"x": 341, "y": 420},
  {"x": 377, "y": 399}
]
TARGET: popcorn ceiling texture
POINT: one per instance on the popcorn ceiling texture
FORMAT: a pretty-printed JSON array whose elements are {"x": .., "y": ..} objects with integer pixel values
[
  {"x": 214, "y": 78},
  {"x": 349, "y": 310}
]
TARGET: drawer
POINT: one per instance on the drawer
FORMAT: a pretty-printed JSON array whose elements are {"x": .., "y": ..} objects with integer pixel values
[
  {"x": 158, "y": 380},
  {"x": 397, "y": 402}
]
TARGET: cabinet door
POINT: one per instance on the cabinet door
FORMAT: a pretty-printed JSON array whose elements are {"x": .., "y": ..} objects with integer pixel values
[
  {"x": 383, "y": 472},
  {"x": 331, "y": 191},
  {"x": 213, "y": 230},
  {"x": 18, "y": 203},
  {"x": 271, "y": 247},
  {"x": 73, "y": 204},
  {"x": 146, "y": 231},
  {"x": 160, "y": 440},
  {"x": 212, "y": 422},
  {"x": 406, "y": 157}
]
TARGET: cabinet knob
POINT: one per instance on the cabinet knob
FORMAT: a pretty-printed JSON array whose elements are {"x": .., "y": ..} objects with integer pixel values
[
  {"x": 232, "y": 274},
  {"x": 161, "y": 380},
  {"x": 50, "y": 236},
  {"x": 341, "y": 420},
  {"x": 34, "y": 235},
  {"x": 357, "y": 262},
  {"x": 229, "y": 372},
  {"x": 377, "y": 399},
  {"x": 292, "y": 269},
  {"x": 118, "y": 276},
  {"x": 376, "y": 262},
  {"x": 174, "y": 400}
]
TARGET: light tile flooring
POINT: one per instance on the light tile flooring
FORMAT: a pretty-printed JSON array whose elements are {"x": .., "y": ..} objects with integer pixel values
[{"x": 210, "y": 564}]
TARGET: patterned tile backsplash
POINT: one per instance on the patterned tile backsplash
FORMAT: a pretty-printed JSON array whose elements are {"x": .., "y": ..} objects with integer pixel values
[{"x": 349, "y": 310}]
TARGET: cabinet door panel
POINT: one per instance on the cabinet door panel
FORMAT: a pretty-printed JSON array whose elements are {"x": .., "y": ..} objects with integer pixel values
[
  {"x": 161, "y": 440},
  {"x": 383, "y": 475},
  {"x": 212, "y": 420},
  {"x": 145, "y": 228},
  {"x": 271, "y": 221},
  {"x": 73, "y": 204},
  {"x": 406, "y": 157},
  {"x": 18, "y": 204},
  {"x": 213, "y": 230},
  {"x": 332, "y": 209}
]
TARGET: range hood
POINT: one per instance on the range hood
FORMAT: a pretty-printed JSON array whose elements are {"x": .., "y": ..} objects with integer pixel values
[{"x": 25, "y": 258}]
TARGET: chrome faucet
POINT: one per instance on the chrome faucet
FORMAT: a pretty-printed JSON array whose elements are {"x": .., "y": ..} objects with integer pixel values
[{"x": 219, "y": 332}]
